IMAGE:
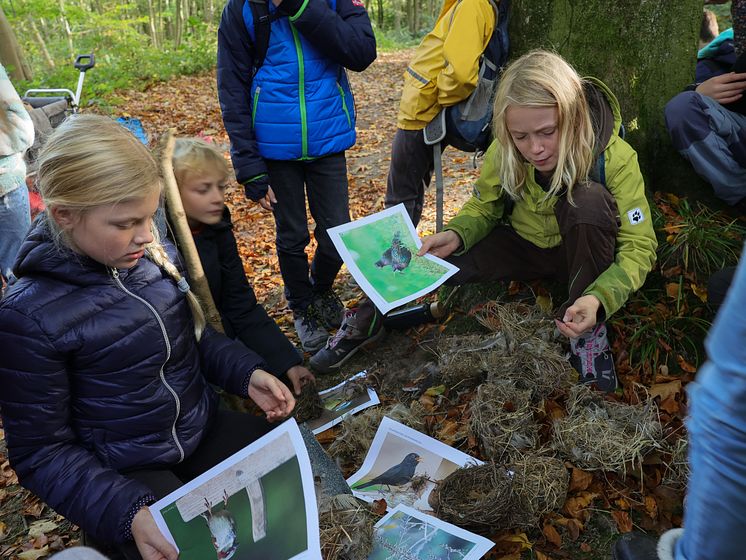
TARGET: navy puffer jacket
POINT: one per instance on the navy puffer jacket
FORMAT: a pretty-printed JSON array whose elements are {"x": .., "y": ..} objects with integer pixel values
[{"x": 101, "y": 372}]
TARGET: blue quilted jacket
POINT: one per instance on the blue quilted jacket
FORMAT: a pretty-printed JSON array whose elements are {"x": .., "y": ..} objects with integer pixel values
[
  {"x": 299, "y": 105},
  {"x": 101, "y": 372}
]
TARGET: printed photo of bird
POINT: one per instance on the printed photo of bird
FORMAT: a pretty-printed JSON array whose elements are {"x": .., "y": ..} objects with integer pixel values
[
  {"x": 398, "y": 475},
  {"x": 397, "y": 256},
  {"x": 222, "y": 528}
]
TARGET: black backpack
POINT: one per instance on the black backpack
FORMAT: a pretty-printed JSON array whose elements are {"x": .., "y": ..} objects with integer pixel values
[
  {"x": 468, "y": 123},
  {"x": 262, "y": 23}
]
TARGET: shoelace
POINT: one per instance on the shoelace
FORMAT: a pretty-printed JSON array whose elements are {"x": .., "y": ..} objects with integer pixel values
[{"x": 341, "y": 331}]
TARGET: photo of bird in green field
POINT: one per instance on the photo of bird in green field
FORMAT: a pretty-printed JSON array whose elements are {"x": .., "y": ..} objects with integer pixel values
[
  {"x": 398, "y": 475},
  {"x": 397, "y": 255}
]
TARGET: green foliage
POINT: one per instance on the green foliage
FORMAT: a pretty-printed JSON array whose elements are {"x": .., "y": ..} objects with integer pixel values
[
  {"x": 391, "y": 40},
  {"x": 700, "y": 241},
  {"x": 119, "y": 35}
]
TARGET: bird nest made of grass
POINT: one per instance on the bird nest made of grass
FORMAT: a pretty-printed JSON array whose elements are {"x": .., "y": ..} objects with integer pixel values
[
  {"x": 502, "y": 419},
  {"x": 540, "y": 485},
  {"x": 605, "y": 435},
  {"x": 308, "y": 405},
  {"x": 518, "y": 321},
  {"x": 345, "y": 528},
  {"x": 468, "y": 364},
  {"x": 677, "y": 470},
  {"x": 478, "y": 498},
  {"x": 535, "y": 365},
  {"x": 357, "y": 431}
]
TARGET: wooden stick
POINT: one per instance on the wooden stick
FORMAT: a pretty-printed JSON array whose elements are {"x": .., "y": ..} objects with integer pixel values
[{"x": 183, "y": 233}]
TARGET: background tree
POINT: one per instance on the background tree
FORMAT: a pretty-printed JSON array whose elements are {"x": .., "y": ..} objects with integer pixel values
[
  {"x": 644, "y": 50},
  {"x": 11, "y": 54}
]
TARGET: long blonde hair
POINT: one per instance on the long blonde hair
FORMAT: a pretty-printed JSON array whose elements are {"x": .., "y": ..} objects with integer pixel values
[
  {"x": 91, "y": 161},
  {"x": 544, "y": 79}
]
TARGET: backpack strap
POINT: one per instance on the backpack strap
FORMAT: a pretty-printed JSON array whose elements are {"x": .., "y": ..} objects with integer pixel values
[{"x": 262, "y": 27}]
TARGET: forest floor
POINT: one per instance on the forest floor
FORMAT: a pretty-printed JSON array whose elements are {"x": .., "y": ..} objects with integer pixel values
[{"x": 599, "y": 506}]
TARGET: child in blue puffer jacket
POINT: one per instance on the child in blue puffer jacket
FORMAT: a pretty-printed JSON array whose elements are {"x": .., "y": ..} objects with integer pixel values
[{"x": 107, "y": 361}]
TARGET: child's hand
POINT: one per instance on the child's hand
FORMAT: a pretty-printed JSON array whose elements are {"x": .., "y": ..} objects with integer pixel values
[
  {"x": 150, "y": 542},
  {"x": 299, "y": 376},
  {"x": 725, "y": 88},
  {"x": 579, "y": 317},
  {"x": 271, "y": 395},
  {"x": 441, "y": 244},
  {"x": 268, "y": 200}
]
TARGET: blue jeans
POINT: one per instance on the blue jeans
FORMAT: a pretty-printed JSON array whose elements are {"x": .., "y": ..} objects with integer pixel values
[
  {"x": 715, "y": 513},
  {"x": 15, "y": 219},
  {"x": 325, "y": 181}
]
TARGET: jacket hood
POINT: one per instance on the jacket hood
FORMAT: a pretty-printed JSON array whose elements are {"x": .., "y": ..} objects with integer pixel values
[
  {"x": 712, "y": 48},
  {"x": 605, "y": 112},
  {"x": 39, "y": 254}
]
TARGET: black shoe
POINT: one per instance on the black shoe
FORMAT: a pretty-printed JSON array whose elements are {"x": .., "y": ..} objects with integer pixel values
[
  {"x": 330, "y": 309},
  {"x": 635, "y": 546}
]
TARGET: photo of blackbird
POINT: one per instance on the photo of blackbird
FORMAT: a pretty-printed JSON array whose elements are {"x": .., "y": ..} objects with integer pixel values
[
  {"x": 398, "y": 475},
  {"x": 397, "y": 256}
]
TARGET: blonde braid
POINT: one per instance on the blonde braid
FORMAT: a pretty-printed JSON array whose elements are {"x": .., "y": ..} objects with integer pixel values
[{"x": 158, "y": 255}]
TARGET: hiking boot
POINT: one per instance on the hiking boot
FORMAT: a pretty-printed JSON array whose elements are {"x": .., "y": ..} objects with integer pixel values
[
  {"x": 360, "y": 327},
  {"x": 310, "y": 332},
  {"x": 591, "y": 357},
  {"x": 330, "y": 309}
]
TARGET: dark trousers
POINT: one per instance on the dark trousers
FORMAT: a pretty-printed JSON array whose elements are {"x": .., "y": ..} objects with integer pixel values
[
  {"x": 230, "y": 432},
  {"x": 324, "y": 181},
  {"x": 588, "y": 230},
  {"x": 410, "y": 171}
]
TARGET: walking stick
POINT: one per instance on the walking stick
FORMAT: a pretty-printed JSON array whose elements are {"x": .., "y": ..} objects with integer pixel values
[{"x": 183, "y": 234}]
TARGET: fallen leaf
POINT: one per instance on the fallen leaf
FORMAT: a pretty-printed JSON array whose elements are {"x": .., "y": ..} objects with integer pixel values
[
  {"x": 545, "y": 304},
  {"x": 585, "y": 547},
  {"x": 684, "y": 365},
  {"x": 665, "y": 390},
  {"x": 435, "y": 391},
  {"x": 3, "y": 530},
  {"x": 38, "y": 528},
  {"x": 580, "y": 480},
  {"x": 700, "y": 292},
  {"x": 520, "y": 539},
  {"x": 379, "y": 507},
  {"x": 541, "y": 556},
  {"x": 672, "y": 290},
  {"x": 623, "y": 521},
  {"x": 651, "y": 507},
  {"x": 576, "y": 505},
  {"x": 34, "y": 553},
  {"x": 552, "y": 535}
]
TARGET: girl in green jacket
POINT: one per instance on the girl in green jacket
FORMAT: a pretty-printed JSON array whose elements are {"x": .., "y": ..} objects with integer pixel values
[{"x": 560, "y": 196}]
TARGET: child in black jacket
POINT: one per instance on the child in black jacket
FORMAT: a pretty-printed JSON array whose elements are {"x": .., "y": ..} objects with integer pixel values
[{"x": 202, "y": 173}]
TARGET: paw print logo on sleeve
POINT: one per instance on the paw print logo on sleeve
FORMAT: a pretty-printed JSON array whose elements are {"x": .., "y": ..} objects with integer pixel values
[{"x": 635, "y": 216}]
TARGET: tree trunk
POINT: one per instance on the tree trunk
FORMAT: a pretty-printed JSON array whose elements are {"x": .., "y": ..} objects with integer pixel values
[
  {"x": 644, "y": 50},
  {"x": 11, "y": 55},
  {"x": 42, "y": 43},
  {"x": 178, "y": 22},
  {"x": 379, "y": 13},
  {"x": 68, "y": 31}
]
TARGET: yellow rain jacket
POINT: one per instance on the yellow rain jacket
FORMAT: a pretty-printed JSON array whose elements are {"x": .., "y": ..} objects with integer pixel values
[{"x": 445, "y": 66}]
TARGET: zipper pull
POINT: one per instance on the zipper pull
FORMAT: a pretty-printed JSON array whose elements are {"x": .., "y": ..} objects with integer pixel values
[{"x": 114, "y": 273}]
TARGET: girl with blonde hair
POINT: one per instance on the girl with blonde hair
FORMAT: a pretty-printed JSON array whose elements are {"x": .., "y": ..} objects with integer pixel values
[
  {"x": 107, "y": 361},
  {"x": 560, "y": 196}
]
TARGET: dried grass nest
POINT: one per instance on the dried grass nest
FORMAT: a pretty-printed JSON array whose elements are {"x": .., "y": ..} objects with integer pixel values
[
  {"x": 502, "y": 420},
  {"x": 345, "y": 528},
  {"x": 465, "y": 361},
  {"x": 605, "y": 435},
  {"x": 308, "y": 405},
  {"x": 478, "y": 498},
  {"x": 357, "y": 431},
  {"x": 540, "y": 486},
  {"x": 517, "y": 320}
]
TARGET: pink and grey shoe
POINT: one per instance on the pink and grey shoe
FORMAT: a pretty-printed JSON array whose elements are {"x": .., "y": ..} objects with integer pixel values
[{"x": 591, "y": 357}]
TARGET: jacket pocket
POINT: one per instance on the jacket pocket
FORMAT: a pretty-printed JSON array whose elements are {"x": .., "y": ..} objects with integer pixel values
[
  {"x": 418, "y": 95},
  {"x": 345, "y": 108}
]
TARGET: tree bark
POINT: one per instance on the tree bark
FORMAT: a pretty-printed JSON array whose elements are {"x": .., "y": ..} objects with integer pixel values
[
  {"x": 42, "y": 43},
  {"x": 11, "y": 55},
  {"x": 644, "y": 50}
]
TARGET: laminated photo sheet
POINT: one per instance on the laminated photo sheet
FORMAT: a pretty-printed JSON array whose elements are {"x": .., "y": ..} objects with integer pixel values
[
  {"x": 380, "y": 252},
  {"x": 338, "y": 404},
  {"x": 405, "y": 533},
  {"x": 258, "y": 503},
  {"x": 404, "y": 465}
]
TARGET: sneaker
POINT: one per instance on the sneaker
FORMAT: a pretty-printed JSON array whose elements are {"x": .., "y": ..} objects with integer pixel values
[
  {"x": 638, "y": 546},
  {"x": 330, "y": 308},
  {"x": 360, "y": 327},
  {"x": 591, "y": 357},
  {"x": 310, "y": 332}
]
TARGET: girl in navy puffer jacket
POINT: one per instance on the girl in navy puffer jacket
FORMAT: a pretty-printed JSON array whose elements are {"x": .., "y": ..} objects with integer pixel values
[{"x": 107, "y": 361}]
